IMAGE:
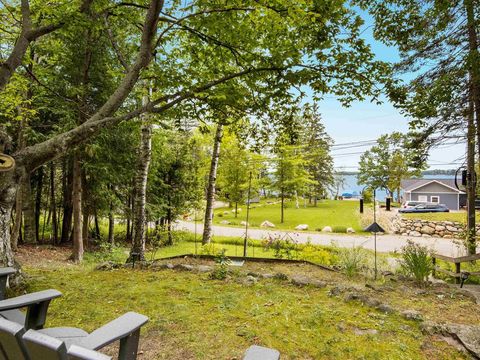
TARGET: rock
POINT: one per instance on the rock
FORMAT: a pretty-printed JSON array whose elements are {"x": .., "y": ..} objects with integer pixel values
[
  {"x": 427, "y": 230},
  {"x": 184, "y": 267},
  {"x": 327, "y": 229},
  {"x": 267, "y": 276},
  {"x": 267, "y": 224},
  {"x": 350, "y": 230},
  {"x": 452, "y": 229},
  {"x": 385, "y": 308},
  {"x": 107, "y": 265},
  {"x": 243, "y": 223},
  {"x": 415, "y": 233},
  {"x": 335, "y": 291},
  {"x": 225, "y": 222},
  {"x": 304, "y": 281},
  {"x": 412, "y": 315},
  {"x": 250, "y": 280},
  {"x": 280, "y": 276},
  {"x": 226, "y": 213},
  {"x": 358, "y": 331},
  {"x": 301, "y": 227},
  {"x": 204, "y": 268},
  {"x": 440, "y": 227}
]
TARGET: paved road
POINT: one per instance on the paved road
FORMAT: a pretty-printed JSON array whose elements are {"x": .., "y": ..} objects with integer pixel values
[{"x": 385, "y": 243}]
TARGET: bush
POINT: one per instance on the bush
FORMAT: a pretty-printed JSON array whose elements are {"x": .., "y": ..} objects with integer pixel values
[
  {"x": 221, "y": 268},
  {"x": 352, "y": 260},
  {"x": 316, "y": 255},
  {"x": 339, "y": 229},
  {"x": 416, "y": 261},
  {"x": 208, "y": 249}
]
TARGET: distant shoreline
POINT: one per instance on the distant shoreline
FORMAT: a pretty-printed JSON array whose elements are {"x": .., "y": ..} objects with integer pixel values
[{"x": 426, "y": 172}]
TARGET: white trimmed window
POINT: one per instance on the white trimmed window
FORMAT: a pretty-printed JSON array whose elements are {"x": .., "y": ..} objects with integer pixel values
[
  {"x": 435, "y": 199},
  {"x": 423, "y": 198}
]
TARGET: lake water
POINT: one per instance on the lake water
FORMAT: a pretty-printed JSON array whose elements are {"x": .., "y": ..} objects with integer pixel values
[{"x": 352, "y": 187}]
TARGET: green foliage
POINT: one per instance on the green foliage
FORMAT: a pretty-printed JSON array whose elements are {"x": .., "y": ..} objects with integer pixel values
[
  {"x": 387, "y": 163},
  {"x": 221, "y": 266},
  {"x": 316, "y": 254},
  {"x": 416, "y": 261},
  {"x": 339, "y": 229},
  {"x": 352, "y": 260},
  {"x": 282, "y": 246}
]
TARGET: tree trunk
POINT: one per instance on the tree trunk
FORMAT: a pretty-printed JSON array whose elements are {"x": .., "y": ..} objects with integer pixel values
[
  {"x": 145, "y": 152},
  {"x": 111, "y": 225},
  {"x": 129, "y": 212},
  {"x": 282, "y": 196},
  {"x": 236, "y": 209},
  {"x": 38, "y": 202},
  {"x": 8, "y": 189},
  {"x": 67, "y": 200},
  {"x": 77, "y": 254},
  {"x": 53, "y": 205},
  {"x": 29, "y": 228},
  {"x": 97, "y": 225},
  {"x": 18, "y": 221},
  {"x": 207, "y": 226}
]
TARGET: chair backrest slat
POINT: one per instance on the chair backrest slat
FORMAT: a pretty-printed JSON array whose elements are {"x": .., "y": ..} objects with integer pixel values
[
  {"x": 11, "y": 343},
  {"x": 44, "y": 347}
]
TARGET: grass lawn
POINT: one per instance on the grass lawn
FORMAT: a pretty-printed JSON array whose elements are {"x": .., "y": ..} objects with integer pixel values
[
  {"x": 193, "y": 317},
  {"x": 337, "y": 214},
  {"x": 449, "y": 216}
]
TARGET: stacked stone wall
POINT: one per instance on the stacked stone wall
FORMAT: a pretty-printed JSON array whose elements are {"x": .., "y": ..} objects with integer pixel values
[{"x": 426, "y": 228}]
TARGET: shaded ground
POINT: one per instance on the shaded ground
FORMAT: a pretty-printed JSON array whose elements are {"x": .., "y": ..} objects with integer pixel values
[{"x": 193, "y": 317}]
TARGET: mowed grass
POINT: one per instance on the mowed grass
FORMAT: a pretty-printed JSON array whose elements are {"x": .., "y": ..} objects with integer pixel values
[
  {"x": 460, "y": 217},
  {"x": 340, "y": 215},
  {"x": 193, "y": 317}
]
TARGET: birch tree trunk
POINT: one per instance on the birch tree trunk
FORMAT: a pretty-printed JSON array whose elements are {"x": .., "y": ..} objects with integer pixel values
[
  {"x": 140, "y": 193},
  {"x": 77, "y": 254},
  {"x": 212, "y": 178}
]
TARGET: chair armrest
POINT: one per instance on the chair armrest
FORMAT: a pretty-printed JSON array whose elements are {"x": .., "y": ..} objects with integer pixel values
[
  {"x": 29, "y": 299},
  {"x": 37, "y": 305},
  {"x": 4, "y": 274},
  {"x": 7, "y": 271},
  {"x": 117, "y": 329},
  {"x": 79, "y": 353}
]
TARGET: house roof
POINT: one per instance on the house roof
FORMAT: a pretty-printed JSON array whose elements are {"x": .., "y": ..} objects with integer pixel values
[{"x": 409, "y": 185}]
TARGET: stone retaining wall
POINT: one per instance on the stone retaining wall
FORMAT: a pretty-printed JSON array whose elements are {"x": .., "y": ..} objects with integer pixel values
[{"x": 426, "y": 228}]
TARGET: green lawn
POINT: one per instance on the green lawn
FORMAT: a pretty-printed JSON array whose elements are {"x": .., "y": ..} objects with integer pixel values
[
  {"x": 450, "y": 216},
  {"x": 337, "y": 214},
  {"x": 193, "y": 317}
]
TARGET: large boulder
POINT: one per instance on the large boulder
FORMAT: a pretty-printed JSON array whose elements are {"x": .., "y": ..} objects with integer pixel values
[
  {"x": 301, "y": 227},
  {"x": 225, "y": 222},
  {"x": 427, "y": 230},
  {"x": 327, "y": 229},
  {"x": 267, "y": 224},
  {"x": 350, "y": 230}
]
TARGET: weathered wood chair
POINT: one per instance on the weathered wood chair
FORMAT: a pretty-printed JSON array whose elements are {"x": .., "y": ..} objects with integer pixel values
[
  {"x": 36, "y": 304},
  {"x": 14, "y": 345}
]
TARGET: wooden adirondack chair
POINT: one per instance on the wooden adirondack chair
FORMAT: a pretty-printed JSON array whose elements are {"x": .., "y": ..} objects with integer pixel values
[
  {"x": 36, "y": 304},
  {"x": 14, "y": 345}
]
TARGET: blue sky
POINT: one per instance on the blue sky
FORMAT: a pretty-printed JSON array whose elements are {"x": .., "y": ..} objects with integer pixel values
[{"x": 367, "y": 121}]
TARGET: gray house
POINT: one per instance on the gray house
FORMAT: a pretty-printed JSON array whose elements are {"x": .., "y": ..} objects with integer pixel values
[{"x": 440, "y": 191}]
